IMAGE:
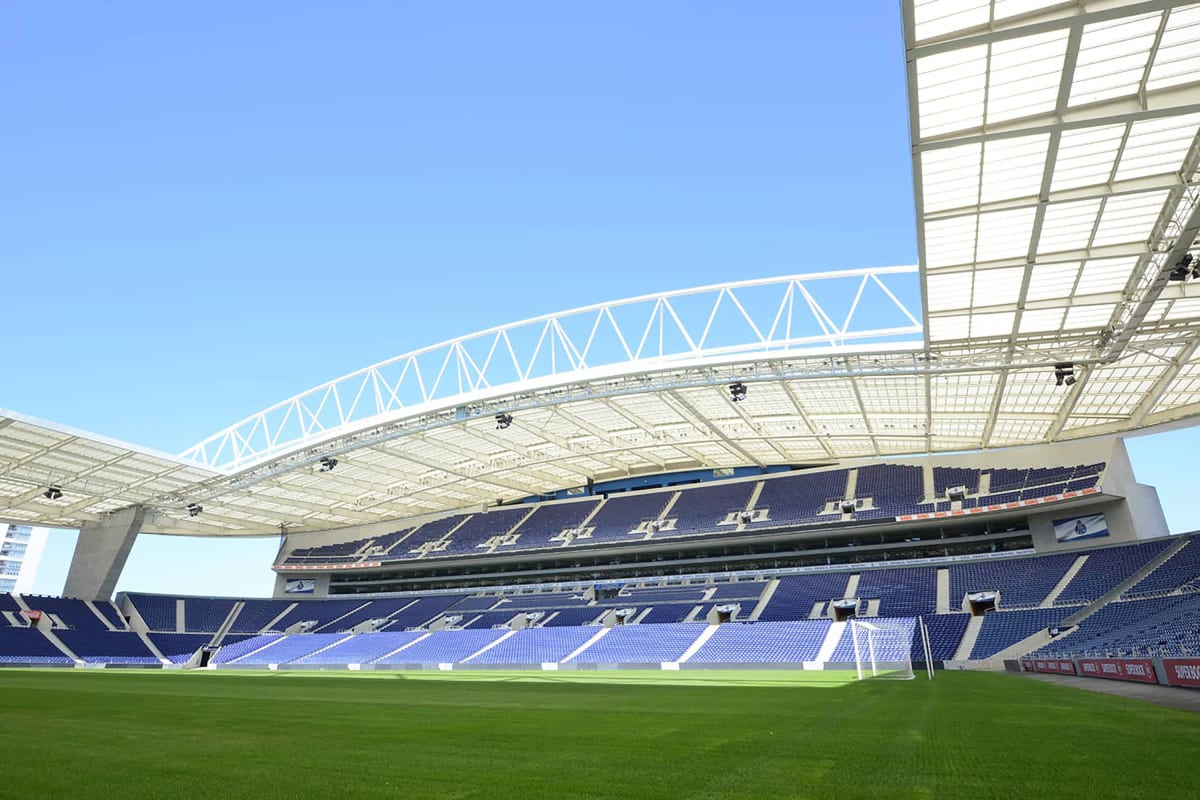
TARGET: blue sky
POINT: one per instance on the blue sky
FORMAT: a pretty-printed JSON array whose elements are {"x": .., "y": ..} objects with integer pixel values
[{"x": 208, "y": 208}]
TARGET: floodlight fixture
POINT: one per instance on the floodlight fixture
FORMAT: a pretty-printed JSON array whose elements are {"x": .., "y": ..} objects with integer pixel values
[
  {"x": 195, "y": 509},
  {"x": 1064, "y": 374},
  {"x": 503, "y": 421},
  {"x": 326, "y": 464},
  {"x": 53, "y": 492},
  {"x": 737, "y": 392}
]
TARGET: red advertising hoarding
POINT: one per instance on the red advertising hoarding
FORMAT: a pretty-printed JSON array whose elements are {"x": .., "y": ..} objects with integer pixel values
[
  {"x": 1119, "y": 669},
  {"x": 1182, "y": 671},
  {"x": 1056, "y": 665}
]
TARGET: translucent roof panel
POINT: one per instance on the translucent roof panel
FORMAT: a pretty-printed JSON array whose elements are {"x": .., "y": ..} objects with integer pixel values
[
  {"x": 1044, "y": 201},
  {"x": 1112, "y": 58},
  {"x": 1024, "y": 75},
  {"x": 1177, "y": 61}
]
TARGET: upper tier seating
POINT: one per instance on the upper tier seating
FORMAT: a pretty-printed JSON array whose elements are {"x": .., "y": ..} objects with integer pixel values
[
  {"x": 201, "y": 615},
  {"x": 257, "y": 614},
  {"x": 427, "y": 538},
  {"x": 1180, "y": 570},
  {"x": 894, "y": 489},
  {"x": 548, "y": 521},
  {"x": 422, "y": 611},
  {"x": 702, "y": 509},
  {"x": 667, "y": 613},
  {"x": 157, "y": 612},
  {"x": 796, "y": 594},
  {"x": 1021, "y": 582},
  {"x": 800, "y": 498},
  {"x": 946, "y": 478},
  {"x": 572, "y": 616},
  {"x": 902, "y": 592},
  {"x": 469, "y": 538},
  {"x": 882, "y": 491},
  {"x": 110, "y": 612},
  {"x": 322, "y": 613},
  {"x": 742, "y": 590},
  {"x": 75, "y": 614},
  {"x": 1104, "y": 569},
  {"x": 622, "y": 513}
]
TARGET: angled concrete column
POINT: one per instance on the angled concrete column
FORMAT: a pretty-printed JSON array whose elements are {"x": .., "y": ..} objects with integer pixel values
[{"x": 100, "y": 554}]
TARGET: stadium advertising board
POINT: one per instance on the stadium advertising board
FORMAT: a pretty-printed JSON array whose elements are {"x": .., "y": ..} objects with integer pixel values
[
  {"x": 1091, "y": 526},
  {"x": 1027, "y": 665},
  {"x": 300, "y": 586},
  {"x": 1120, "y": 669},
  {"x": 1055, "y": 665},
  {"x": 1182, "y": 671}
]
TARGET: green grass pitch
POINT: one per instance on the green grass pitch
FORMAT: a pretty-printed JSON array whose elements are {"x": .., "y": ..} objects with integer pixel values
[{"x": 114, "y": 734}]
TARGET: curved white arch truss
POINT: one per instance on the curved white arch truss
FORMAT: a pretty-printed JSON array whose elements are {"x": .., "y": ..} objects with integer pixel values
[{"x": 737, "y": 321}]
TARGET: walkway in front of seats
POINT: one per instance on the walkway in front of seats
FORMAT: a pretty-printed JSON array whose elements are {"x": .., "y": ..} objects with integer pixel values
[{"x": 1170, "y": 696}]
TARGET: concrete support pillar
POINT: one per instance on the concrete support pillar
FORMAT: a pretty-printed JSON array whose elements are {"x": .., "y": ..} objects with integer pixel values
[{"x": 100, "y": 554}]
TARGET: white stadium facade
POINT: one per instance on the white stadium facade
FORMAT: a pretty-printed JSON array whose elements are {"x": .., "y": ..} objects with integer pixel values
[{"x": 1055, "y": 150}]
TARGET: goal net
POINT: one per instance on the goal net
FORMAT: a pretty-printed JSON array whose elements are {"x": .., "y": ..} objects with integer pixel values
[{"x": 883, "y": 649}]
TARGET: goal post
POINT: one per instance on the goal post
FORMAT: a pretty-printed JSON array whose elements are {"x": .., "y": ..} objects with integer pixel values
[{"x": 883, "y": 649}]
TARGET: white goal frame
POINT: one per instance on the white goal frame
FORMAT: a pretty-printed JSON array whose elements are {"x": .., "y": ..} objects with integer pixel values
[{"x": 882, "y": 649}]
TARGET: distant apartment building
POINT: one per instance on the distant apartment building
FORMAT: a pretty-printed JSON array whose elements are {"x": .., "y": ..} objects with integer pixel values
[{"x": 21, "y": 549}]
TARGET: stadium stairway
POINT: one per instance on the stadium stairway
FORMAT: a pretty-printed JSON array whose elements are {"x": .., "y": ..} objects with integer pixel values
[
  {"x": 943, "y": 590},
  {"x": 832, "y": 637},
  {"x": 705, "y": 635},
  {"x": 66, "y": 651},
  {"x": 1021, "y": 648},
  {"x": 852, "y": 586},
  {"x": 270, "y": 626},
  {"x": 404, "y": 646},
  {"x": 99, "y": 615},
  {"x": 488, "y": 646},
  {"x": 751, "y": 504},
  {"x": 1068, "y": 576},
  {"x": 153, "y": 648},
  {"x": 328, "y": 646},
  {"x": 1125, "y": 585},
  {"x": 600, "y": 634},
  {"x": 1155, "y": 563},
  {"x": 180, "y": 616},
  {"x": 974, "y": 626},
  {"x": 330, "y": 627},
  {"x": 249, "y": 653},
  {"x": 763, "y": 599},
  {"x": 228, "y": 623}
]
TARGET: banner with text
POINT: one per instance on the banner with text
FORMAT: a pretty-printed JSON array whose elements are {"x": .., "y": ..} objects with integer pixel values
[
  {"x": 1121, "y": 669},
  {"x": 1055, "y": 665},
  {"x": 1092, "y": 526},
  {"x": 1182, "y": 671}
]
